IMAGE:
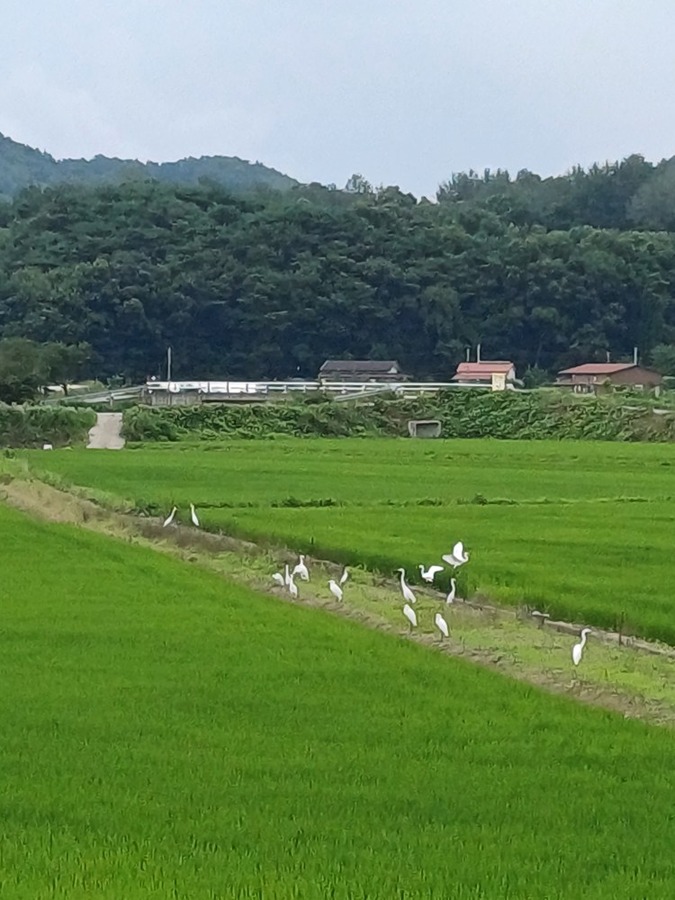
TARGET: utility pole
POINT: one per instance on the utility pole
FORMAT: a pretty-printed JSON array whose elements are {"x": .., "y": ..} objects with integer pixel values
[{"x": 168, "y": 363}]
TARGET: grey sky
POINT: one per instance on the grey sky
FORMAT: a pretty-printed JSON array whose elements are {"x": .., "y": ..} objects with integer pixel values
[{"x": 403, "y": 91}]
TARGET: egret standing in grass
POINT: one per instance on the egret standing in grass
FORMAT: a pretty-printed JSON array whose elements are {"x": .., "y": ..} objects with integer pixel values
[
  {"x": 278, "y": 578},
  {"x": 335, "y": 589},
  {"x": 453, "y": 590},
  {"x": 193, "y": 516},
  {"x": 405, "y": 590},
  {"x": 287, "y": 575},
  {"x": 578, "y": 649},
  {"x": 344, "y": 576},
  {"x": 442, "y": 625},
  {"x": 169, "y": 519},
  {"x": 292, "y": 588},
  {"x": 409, "y": 613},
  {"x": 301, "y": 569},
  {"x": 458, "y": 556},
  {"x": 429, "y": 574}
]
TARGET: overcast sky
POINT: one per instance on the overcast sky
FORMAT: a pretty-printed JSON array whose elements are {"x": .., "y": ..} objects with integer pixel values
[{"x": 403, "y": 91}]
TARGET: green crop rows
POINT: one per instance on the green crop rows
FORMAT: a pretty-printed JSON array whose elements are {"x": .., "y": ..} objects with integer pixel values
[
  {"x": 166, "y": 734},
  {"x": 581, "y": 530}
]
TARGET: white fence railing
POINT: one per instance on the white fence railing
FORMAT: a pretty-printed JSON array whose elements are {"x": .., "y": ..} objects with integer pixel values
[{"x": 350, "y": 388}]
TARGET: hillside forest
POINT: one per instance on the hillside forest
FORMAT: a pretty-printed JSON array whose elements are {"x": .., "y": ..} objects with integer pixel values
[{"x": 268, "y": 284}]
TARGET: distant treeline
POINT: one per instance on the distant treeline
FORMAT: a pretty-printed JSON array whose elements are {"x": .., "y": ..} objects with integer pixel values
[{"x": 547, "y": 273}]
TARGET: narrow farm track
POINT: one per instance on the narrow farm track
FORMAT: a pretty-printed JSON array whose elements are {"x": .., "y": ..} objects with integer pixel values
[{"x": 633, "y": 677}]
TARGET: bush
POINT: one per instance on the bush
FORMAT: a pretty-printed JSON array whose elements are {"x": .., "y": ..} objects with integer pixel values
[{"x": 32, "y": 426}]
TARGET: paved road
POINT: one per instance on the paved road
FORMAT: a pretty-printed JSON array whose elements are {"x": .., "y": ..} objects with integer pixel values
[{"x": 107, "y": 432}]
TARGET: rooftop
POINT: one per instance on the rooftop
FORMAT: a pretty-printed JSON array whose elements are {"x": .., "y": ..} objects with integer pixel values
[
  {"x": 360, "y": 365},
  {"x": 598, "y": 369}
]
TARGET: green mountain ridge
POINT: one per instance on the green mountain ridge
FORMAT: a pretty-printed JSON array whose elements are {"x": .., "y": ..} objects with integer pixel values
[{"x": 22, "y": 166}]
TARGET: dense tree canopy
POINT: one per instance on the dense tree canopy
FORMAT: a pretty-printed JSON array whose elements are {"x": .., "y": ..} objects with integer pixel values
[{"x": 269, "y": 285}]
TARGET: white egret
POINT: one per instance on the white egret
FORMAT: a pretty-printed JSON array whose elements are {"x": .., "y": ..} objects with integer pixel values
[
  {"x": 193, "y": 516},
  {"x": 458, "y": 556},
  {"x": 453, "y": 590},
  {"x": 47, "y": 446},
  {"x": 301, "y": 569},
  {"x": 293, "y": 588},
  {"x": 429, "y": 574},
  {"x": 278, "y": 578},
  {"x": 169, "y": 519},
  {"x": 578, "y": 649},
  {"x": 287, "y": 575},
  {"x": 405, "y": 590},
  {"x": 344, "y": 576},
  {"x": 409, "y": 613},
  {"x": 335, "y": 589},
  {"x": 442, "y": 625}
]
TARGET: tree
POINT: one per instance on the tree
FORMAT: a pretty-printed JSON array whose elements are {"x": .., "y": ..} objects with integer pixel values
[
  {"x": 62, "y": 363},
  {"x": 663, "y": 358},
  {"x": 21, "y": 370}
]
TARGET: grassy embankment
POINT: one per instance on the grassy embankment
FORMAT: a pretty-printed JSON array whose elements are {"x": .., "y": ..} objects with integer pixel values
[
  {"x": 168, "y": 734},
  {"x": 582, "y": 530}
]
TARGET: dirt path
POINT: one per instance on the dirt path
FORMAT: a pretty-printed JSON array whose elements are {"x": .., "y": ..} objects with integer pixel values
[
  {"x": 106, "y": 433},
  {"x": 636, "y": 680}
]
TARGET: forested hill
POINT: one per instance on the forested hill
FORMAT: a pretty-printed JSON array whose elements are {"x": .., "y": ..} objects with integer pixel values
[
  {"x": 22, "y": 166},
  {"x": 270, "y": 285}
]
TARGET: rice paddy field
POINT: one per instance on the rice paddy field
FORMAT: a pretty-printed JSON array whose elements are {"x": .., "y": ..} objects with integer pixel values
[
  {"x": 169, "y": 734},
  {"x": 581, "y": 530}
]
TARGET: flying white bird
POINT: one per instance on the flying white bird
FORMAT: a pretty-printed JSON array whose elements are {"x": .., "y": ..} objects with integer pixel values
[
  {"x": 405, "y": 590},
  {"x": 442, "y": 625},
  {"x": 458, "y": 556},
  {"x": 335, "y": 589},
  {"x": 344, "y": 576},
  {"x": 293, "y": 588},
  {"x": 301, "y": 569},
  {"x": 578, "y": 649},
  {"x": 169, "y": 519},
  {"x": 278, "y": 578},
  {"x": 193, "y": 516},
  {"x": 430, "y": 573},
  {"x": 409, "y": 613}
]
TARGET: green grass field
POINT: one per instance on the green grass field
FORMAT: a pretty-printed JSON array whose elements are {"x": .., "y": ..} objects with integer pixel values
[
  {"x": 582, "y": 530},
  {"x": 362, "y": 471},
  {"x": 166, "y": 734}
]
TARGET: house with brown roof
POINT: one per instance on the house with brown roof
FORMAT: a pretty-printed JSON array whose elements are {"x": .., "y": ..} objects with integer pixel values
[
  {"x": 360, "y": 370},
  {"x": 589, "y": 376},
  {"x": 482, "y": 372}
]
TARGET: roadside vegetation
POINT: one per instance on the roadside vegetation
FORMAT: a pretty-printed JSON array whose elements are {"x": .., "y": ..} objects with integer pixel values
[{"x": 539, "y": 415}]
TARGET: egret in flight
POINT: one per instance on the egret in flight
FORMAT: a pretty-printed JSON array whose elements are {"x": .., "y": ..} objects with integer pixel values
[
  {"x": 169, "y": 519},
  {"x": 458, "y": 556},
  {"x": 578, "y": 649},
  {"x": 442, "y": 625},
  {"x": 409, "y": 613},
  {"x": 335, "y": 589},
  {"x": 301, "y": 569},
  {"x": 193, "y": 516},
  {"x": 429, "y": 574},
  {"x": 405, "y": 590},
  {"x": 453, "y": 590}
]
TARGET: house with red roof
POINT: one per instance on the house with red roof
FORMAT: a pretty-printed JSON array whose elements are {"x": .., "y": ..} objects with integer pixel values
[
  {"x": 482, "y": 372},
  {"x": 589, "y": 376}
]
